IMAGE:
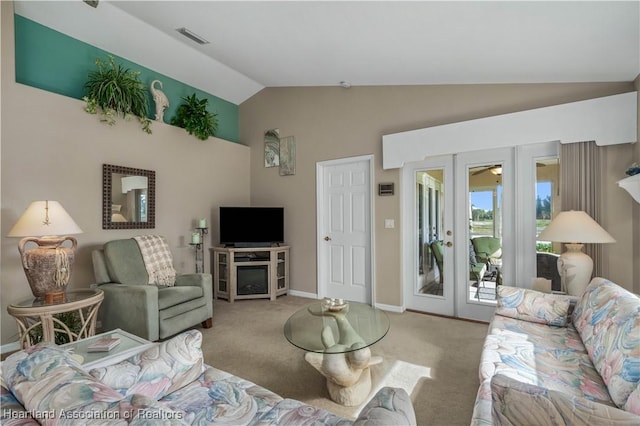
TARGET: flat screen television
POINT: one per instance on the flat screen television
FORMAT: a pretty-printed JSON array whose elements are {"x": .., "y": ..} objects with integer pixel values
[{"x": 251, "y": 226}]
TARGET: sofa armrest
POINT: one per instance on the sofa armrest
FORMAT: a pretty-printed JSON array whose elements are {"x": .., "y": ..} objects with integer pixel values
[
  {"x": 199, "y": 280},
  {"x": 389, "y": 406},
  {"x": 132, "y": 308},
  {"x": 515, "y": 402}
]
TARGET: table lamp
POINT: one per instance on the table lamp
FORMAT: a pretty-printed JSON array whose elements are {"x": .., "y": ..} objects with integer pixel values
[
  {"x": 575, "y": 228},
  {"x": 47, "y": 266}
]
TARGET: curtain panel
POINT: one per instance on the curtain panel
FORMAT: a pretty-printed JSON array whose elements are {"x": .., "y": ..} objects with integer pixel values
[{"x": 581, "y": 166}]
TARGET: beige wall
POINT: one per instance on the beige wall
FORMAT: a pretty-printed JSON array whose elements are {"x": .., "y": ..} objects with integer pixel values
[
  {"x": 52, "y": 149},
  {"x": 331, "y": 122}
]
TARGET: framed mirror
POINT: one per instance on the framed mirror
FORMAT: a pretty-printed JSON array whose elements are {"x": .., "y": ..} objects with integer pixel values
[{"x": 128, "y": 198}]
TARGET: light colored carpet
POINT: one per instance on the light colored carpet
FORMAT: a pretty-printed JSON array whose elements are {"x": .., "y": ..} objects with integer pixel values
[{"x": 435, "y": 359}]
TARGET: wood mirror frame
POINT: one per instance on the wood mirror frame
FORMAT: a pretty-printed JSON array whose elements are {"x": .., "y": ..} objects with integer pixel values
[{"x": 108, "y": 172}]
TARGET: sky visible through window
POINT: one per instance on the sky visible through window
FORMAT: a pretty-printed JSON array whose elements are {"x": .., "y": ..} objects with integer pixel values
[{"x": 484, "y": 199}]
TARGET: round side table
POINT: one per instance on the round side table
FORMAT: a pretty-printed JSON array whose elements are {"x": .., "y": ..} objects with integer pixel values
[{"x": 34, "y": 312}]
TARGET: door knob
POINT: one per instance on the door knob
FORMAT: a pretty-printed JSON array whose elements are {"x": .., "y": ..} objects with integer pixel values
[
  {"x": 327, "y": 238},
  {"x": 448, "y": 244}
]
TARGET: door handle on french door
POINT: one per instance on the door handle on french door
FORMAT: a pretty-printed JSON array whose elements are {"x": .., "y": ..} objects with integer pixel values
[
  {"x": 448, "y": 244},
  {"x": 327, "y": 238}
]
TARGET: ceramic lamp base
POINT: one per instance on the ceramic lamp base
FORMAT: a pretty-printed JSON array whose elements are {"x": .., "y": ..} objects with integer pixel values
[
  {"x": 47, "y": 266},
  {"x": 575, "y": 268}
]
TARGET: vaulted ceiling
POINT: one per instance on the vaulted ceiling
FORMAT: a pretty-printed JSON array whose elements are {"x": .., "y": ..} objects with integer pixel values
[{"x": 253, "y": 45}]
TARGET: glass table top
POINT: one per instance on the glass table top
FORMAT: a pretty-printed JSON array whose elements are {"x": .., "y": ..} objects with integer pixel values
[
  {"x": 316, "y": 328},
  {"x": 69, "y": 296}
]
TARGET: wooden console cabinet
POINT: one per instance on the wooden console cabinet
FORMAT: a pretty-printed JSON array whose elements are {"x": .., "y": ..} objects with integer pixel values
[{"x": 250, "y": 273}]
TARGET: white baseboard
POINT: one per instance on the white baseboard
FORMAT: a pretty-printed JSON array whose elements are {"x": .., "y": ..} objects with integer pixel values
[
  {"x": 303, "y": 294},
  {"x": 10, "y": 347},
  {"x": 391, "y": 308}
]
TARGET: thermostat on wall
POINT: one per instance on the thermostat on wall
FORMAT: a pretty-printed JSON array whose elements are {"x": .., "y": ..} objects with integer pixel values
[{"x": 385, "y": 188}]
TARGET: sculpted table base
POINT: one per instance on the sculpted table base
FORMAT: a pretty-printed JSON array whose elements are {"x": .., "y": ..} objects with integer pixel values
[{"x": 345, "y": 361}]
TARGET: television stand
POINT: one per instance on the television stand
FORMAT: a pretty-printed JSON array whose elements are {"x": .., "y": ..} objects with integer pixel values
[{"x": 250, "y": 272}]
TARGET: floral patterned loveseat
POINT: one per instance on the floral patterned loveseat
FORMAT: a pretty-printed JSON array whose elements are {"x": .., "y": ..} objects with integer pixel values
[
  {"x": 168, "y": 384},
  {"x": 542, "y": 365}
]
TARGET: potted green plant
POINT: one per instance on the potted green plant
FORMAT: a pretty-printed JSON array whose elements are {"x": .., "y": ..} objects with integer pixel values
[
  {"x": 70, "y": 319},
  {"x": 116, "y": 91},
  {"x": 192, "y": 115}
]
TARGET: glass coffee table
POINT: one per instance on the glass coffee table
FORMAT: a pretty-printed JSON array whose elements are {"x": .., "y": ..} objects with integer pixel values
[
  {"x": 337, "y": 341},
  {"x": 129, "y": 345}
]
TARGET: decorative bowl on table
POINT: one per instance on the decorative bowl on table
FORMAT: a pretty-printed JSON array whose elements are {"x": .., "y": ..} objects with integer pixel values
[{"x": 334, "y": 305}]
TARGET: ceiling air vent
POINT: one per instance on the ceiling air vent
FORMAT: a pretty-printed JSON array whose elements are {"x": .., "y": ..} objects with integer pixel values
[{"x": 191, "y": 35}]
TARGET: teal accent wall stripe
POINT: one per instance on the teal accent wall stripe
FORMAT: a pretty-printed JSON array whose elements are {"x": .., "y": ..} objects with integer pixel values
[{"x": 52, "y": 61}]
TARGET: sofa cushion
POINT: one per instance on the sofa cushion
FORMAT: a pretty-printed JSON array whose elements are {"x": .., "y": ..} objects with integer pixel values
[
  {"x": 292, "y": 412},
  {"x": 538, "y": 354},
  {"x": 221, "y": 398},
  {"x": 608, "y": 320},
  {"x": 171, "y": 296},
  {"x": 517, "y": 403},
  {"x": 159, "y": 370},
  {"x": 532, "y": 306},
  {"x": 45, "y": 378},
  {"x": 124, "y": 262},
  {"x": 633, "y": 402},
  {"x": 12, "y": 413}
]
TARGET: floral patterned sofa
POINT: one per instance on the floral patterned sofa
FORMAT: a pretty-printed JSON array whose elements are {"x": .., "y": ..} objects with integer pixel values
[
  {"x": 167, "y": 384},
  {"x": 543, "y": 365}
]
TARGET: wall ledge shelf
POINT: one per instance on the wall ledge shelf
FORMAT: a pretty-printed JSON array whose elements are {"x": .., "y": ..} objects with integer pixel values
[{"x": 632, "y": 185}]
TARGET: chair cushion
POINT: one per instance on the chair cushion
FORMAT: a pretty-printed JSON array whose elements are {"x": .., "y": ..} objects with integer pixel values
[
  {"x": 171, "y": 296},
  {"x": 487, "y": 246},
  {"x": 124, "y": 262}
]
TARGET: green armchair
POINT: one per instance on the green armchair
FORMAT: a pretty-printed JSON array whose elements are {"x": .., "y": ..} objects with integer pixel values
[
  {"x": 489, "y": 251},
  {"x": 436, "y": 249},
  {"x": 149, "y": 311},
  {"x": 476, "y": 269}
]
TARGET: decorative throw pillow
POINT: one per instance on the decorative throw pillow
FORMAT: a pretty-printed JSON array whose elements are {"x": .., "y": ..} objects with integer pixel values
[
  {"x": 45, "y": 379},
  {"x": 159, "y": 370},
  {"x": 533, "y": 306}
]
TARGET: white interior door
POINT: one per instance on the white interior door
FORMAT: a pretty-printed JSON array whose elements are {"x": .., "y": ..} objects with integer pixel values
[
  {"x": 344, "y": 229},
  {"x": 428, "y": 214}
]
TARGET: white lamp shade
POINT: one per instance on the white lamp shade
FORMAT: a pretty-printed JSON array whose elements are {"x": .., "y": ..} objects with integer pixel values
[
  {"x": 44, "y": 218},
  {"x": 575, "y": 227}
]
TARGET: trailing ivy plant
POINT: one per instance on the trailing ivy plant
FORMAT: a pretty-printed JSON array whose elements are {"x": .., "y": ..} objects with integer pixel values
[
  {"x": 192, "y": 115},
  {"x": 116, "y": 91}
]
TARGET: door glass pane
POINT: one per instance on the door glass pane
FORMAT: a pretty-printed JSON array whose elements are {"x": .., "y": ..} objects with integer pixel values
[
  {"x": 429, "y": 193},
  {"x": 547, "y": 205},
  {"x": 485, "y": 232}
]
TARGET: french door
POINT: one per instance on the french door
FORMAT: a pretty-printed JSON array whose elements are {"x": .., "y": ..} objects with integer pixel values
[
  {"x": 456, "y": 198},
  {"x": 428, "y": 254}
]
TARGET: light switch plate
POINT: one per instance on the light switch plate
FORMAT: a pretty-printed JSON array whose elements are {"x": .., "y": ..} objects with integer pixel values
[{"x": 389, "y": 223}]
